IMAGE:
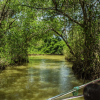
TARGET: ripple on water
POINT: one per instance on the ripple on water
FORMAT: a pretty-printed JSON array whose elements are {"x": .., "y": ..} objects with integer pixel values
[{"x": 41, "y": 79}]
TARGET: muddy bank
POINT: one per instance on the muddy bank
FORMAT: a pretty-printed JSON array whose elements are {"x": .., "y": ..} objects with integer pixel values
[
  {"x": 7, "y": 62},
  {"x": 82, "y": 70},
  {"x": 3, "y": 63}
]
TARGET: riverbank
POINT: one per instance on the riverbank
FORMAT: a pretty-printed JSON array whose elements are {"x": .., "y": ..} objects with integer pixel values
[{"x": 4, "y": 62}]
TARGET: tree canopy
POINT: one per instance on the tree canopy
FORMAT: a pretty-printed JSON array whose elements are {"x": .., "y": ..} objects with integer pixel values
[{"x": 76, "y": 22}]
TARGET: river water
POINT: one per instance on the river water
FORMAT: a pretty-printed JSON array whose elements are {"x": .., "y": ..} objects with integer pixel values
[{"x": 42, "y": 78}]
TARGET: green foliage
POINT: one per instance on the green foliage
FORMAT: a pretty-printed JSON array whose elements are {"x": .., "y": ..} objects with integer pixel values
[
  {"x": 18, "y": 46},
  {"x": 53, "y": 46},
  {"x": 50, "y": 45}
]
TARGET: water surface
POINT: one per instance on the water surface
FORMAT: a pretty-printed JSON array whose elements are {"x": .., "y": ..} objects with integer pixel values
[{"x": 42, "y": 78}]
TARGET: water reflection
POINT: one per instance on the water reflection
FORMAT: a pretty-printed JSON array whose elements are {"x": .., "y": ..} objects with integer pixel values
[
  {"x": 64, "y": 81},
  {"x": 42, "y": 78},
  {"x": 30, "y": 74}
]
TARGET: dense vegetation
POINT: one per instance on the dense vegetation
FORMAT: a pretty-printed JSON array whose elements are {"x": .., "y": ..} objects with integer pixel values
[
  {"x": 49, "y": 45},
  {"x": 74, "y": 23}
]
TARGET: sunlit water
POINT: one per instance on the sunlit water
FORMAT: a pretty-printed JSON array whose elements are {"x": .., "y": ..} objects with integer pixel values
[{"x": 41, "y": 79}]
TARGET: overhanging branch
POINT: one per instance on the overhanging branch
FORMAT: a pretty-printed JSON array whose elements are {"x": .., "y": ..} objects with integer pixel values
[
  {"x": 54, "y": 8},
  {"x": 71, "y": 51},
  {"x": 38, "y": 8},
  {"x": 3, "y": 10},
  {"x": 60, "y": 11}
]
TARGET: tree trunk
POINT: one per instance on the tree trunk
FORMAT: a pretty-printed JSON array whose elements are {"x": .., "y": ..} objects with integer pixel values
[{"x": 89, "y": 68}]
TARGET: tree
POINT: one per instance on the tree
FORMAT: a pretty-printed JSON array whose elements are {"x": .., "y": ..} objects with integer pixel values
[
  {"x": 89, "y": 22},
  {"x": 52, "y": 45},
  {"x": 83, "y": 13}
]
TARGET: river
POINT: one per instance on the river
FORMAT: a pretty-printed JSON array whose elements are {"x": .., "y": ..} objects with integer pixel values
[{"x": 44, "y": 77}]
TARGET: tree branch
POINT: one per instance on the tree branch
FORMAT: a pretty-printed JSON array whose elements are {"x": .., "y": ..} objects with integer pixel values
[
  {"x": 2, "y": 13},
  {"x": 55, "y": 3},
  {"x": 34, "y": 34},
  {"x": 95, "y": 3},
  {"x": 82, "y": 3},
  {"x": 60, "y": 11},
  {"x": 71, "y": 51},
  {"x": 39, "y": 8},
  {"x": 9, "y": 28},
  {"x": 11, "y": 22},
  {"x": 5, "y": 14}
]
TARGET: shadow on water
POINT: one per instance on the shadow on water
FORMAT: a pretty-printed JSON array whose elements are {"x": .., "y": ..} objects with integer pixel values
[{"x": 41, "y": 79}]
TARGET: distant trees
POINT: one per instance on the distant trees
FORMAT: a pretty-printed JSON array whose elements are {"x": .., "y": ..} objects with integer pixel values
[
  {"x": 53, "y": 45},
  {"x": 48, "y": 45}
]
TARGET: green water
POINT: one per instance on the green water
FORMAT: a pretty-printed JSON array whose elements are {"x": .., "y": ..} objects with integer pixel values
[{"x": 42, "y": 78}]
